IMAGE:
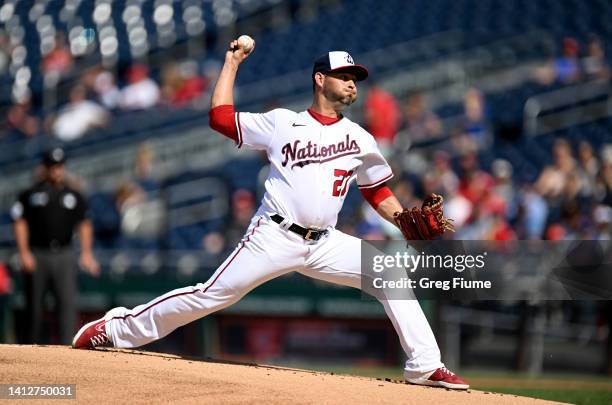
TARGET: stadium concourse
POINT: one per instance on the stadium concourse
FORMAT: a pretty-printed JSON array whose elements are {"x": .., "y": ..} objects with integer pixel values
[{"x": 501, "y": 107}]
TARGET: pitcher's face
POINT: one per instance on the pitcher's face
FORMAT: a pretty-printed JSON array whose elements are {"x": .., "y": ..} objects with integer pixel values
[{"x": 340, "y": 87}]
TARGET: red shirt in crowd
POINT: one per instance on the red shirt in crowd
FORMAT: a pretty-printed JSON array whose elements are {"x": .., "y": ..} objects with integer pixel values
[{"x": 383, "y": 114}]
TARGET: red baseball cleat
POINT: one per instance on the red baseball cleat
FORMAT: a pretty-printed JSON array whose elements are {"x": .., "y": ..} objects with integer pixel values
[
  {"x": 441, "y": 377},
  {"x": 91, "y": 335}
]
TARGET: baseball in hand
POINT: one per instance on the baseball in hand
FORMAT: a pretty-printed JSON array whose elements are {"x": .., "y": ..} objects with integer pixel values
[{"x": 246, "y": 43}]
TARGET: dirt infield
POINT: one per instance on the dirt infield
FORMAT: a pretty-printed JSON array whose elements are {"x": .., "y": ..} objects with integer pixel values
[{"x": 120, "y": 376}]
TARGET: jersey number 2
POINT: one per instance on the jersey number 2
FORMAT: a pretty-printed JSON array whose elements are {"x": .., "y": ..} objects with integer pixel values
[{"x": 341, "y": 185}]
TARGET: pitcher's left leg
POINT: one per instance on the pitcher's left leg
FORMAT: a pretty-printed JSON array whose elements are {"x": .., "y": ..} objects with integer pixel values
[{"x": 337, "y": 259}]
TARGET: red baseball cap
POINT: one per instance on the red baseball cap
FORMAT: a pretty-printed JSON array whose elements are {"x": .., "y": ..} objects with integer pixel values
[{"x": 339, "y": 61}]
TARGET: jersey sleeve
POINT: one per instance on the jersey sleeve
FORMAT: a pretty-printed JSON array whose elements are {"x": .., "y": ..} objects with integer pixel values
[
  {"x": 81, "y": 211},
  {"x": 19, "y": 210},
  {"x": 255, "y": 131},
  {"x": 375, "y": 170}
]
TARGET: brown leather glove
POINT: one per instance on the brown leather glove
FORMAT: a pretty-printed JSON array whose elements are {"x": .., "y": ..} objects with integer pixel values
[{"x": 425, "y": 223}]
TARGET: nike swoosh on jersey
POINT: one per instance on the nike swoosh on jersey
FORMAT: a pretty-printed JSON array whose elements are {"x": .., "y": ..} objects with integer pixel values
[{"x": 298, "y": 125}]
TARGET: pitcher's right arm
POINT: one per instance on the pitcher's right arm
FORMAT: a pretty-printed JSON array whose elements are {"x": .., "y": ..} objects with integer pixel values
[{"x": 221, "y": 115}]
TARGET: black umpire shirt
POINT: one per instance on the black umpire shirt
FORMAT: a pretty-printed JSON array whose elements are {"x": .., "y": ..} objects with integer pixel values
[{"x": 51, "y": 212}]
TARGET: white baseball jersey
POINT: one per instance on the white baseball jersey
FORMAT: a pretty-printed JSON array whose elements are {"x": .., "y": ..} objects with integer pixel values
[{"x": 312, "y": 165}]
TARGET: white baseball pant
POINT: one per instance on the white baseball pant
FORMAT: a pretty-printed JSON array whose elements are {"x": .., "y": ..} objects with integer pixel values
[{"x": 268, "y": 251}]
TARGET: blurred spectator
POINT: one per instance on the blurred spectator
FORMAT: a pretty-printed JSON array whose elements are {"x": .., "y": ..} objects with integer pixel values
[
  {"x": 431, "y": 183},
  {"x": 170, "y": 81},
  {"x": 576, "y": 206},
  {"x": 500, "y": 228},
  {"x": 572, "y": 221},
  {"x": 486, "y": 199},
  {"x": 488, "y": 221},
  {"x": 421, "y": 122},
  {"x": 134, "y": 191},
  {"x": 458, "y": 208},
  {"x": 192, "y": 87},
  {"x": 103, "y": 84},
  {"x": 567, "y": 66},
  {"x": 78, "y": 116},
  {"x": 602, "y": 217},
  {"x": 5, "y": 52},
  {"x": 573, "y": 187},
  {"x": 462, "y": 144},
  {"x": 491, "y": 203},
  {"x": 440, "y": 179},
  {"x": 555, "y": 232},
  {"x": 141, "y": 92},
  {"x": 135, "y": 215},
  {"x": 214, "y": 243},
  {"x": 181, "y": 83},
  {"x": 382, "y": 115},
  {"x": 142, "y": 213},
  {"x": 502, "y": 173},
  {"x": 243, "y": 208},
  {"x": 143, "y": 168},
  {"x": 594, "y": 63},
  {"x": 603, "y": 193},
  {"x": 129, "y": 194},
  {"x": 59, "y": 60},
  {"x": 553, "y": 178},
  {"x": 474, "y": 117},
  {"x": 532, "y": 215},
  {"x": 589, "y": 164},
  {"x": 108, "y": 92},
  {"x": 474, "y": 183},
  {"x": 22, "y": 120}
]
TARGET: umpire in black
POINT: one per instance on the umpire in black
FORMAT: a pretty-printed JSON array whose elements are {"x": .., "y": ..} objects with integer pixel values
[{"x": 45, "y": 218}]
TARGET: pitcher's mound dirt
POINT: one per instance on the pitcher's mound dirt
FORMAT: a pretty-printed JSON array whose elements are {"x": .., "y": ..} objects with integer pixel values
[{"x": 122, "y": 376}]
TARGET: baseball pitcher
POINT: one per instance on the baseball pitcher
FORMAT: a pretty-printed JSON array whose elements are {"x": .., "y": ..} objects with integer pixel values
[{"x": 314, "y": 155}]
